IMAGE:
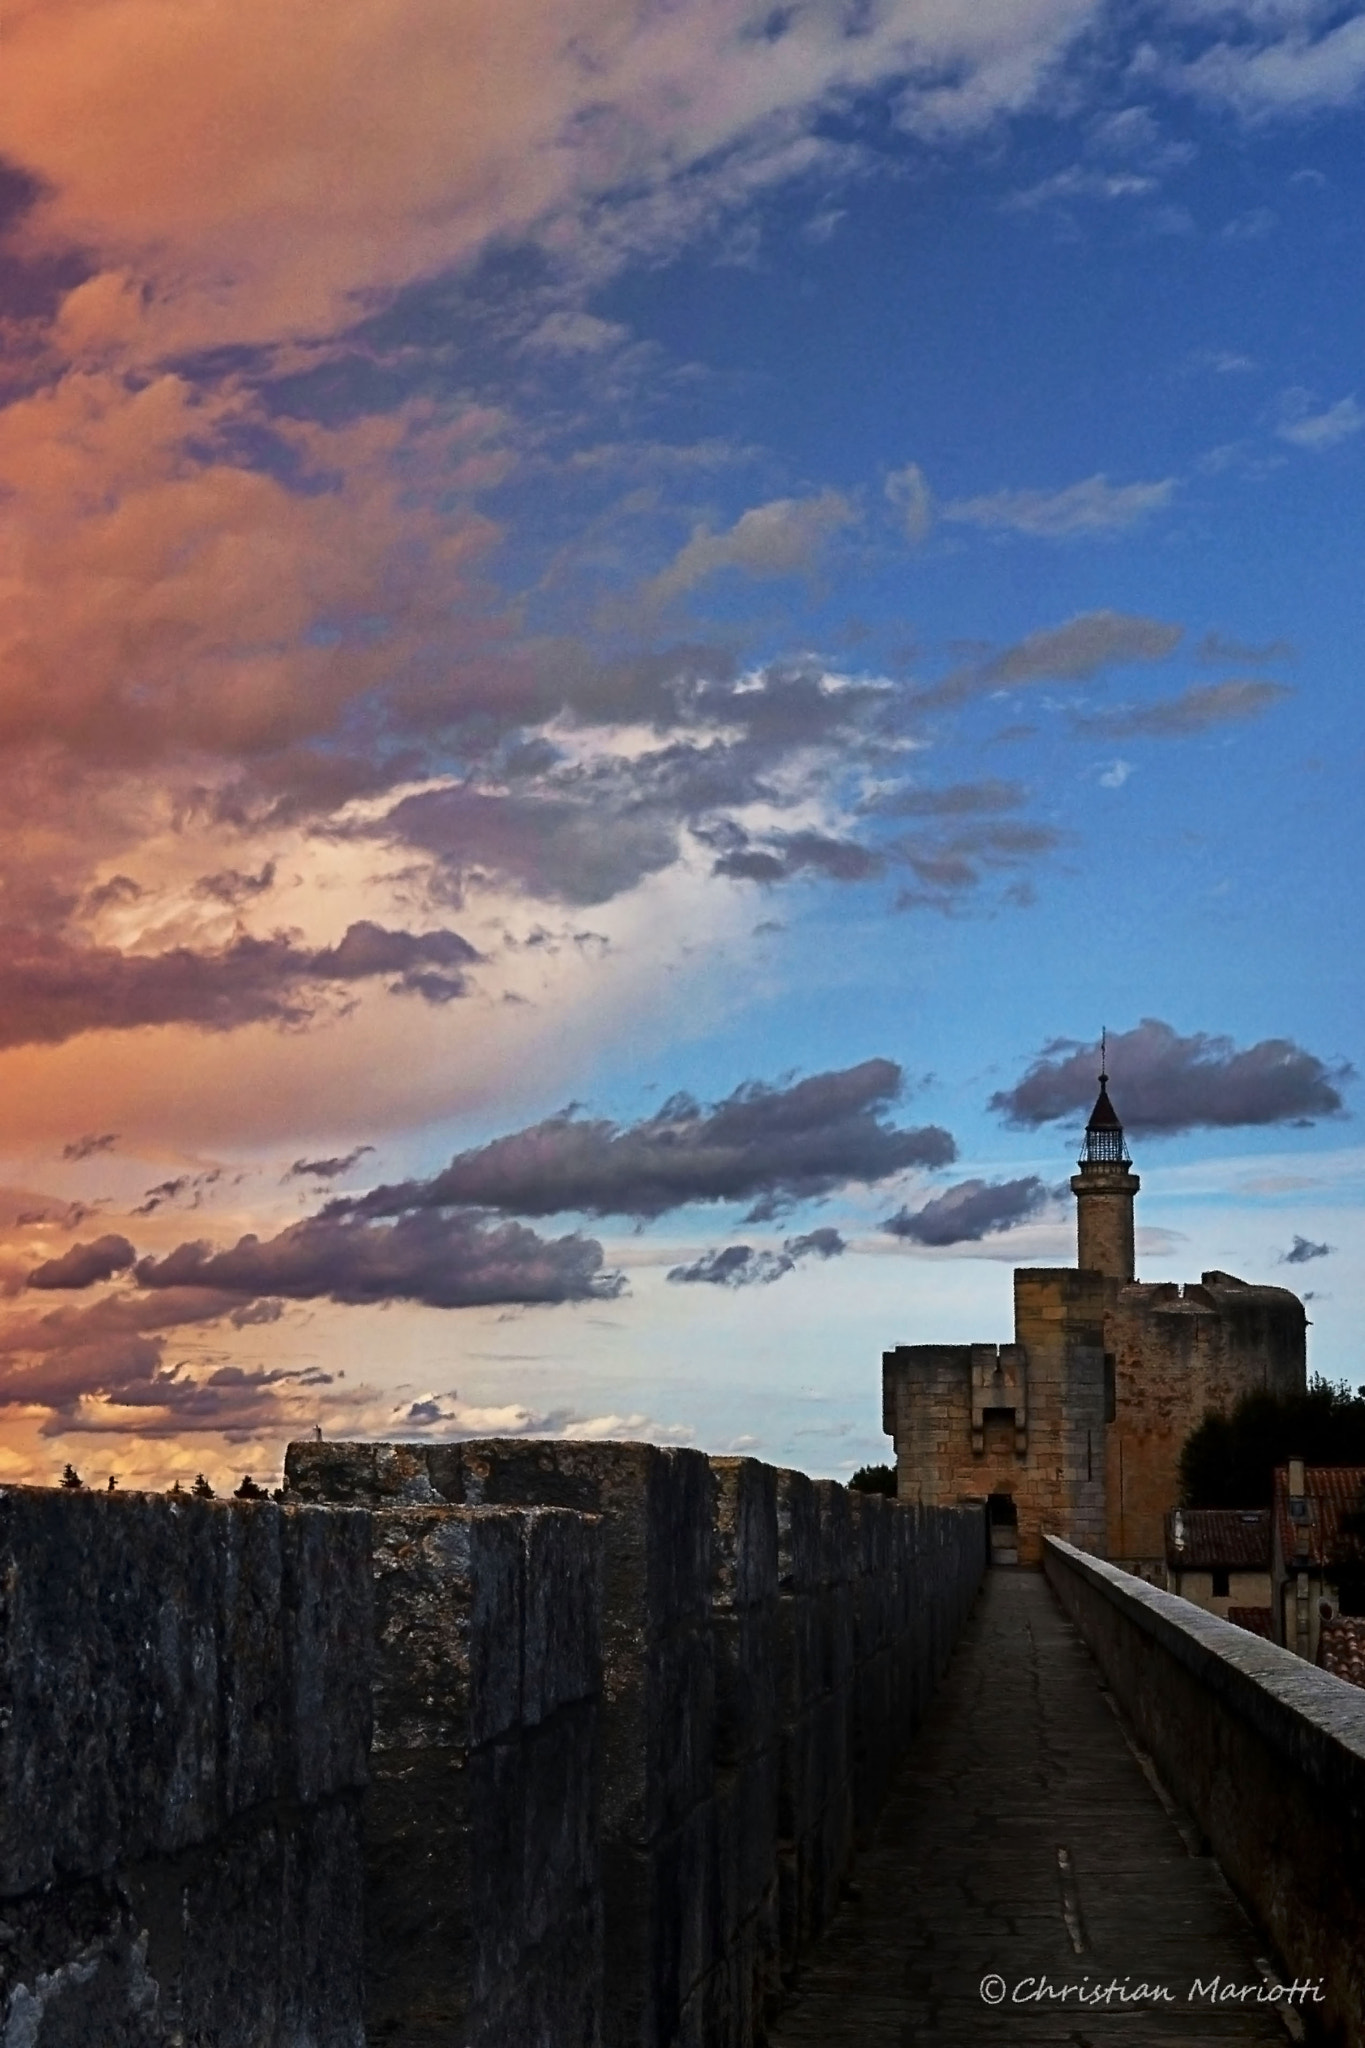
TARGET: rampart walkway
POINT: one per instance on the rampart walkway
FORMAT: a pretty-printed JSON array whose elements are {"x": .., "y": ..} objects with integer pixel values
[{"x": 1022, "y": 1839}]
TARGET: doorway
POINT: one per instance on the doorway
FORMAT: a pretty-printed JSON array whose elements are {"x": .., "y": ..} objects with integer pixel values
[{"x": 1003, "y": 1519}]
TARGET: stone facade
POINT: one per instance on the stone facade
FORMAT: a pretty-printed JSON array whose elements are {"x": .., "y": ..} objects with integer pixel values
[{"x": 1076, "y": 1428}]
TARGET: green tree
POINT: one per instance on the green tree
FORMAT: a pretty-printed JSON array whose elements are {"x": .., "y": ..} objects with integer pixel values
[
  {"x": 875, "y": 1479},
  {"x": 1230, "y": 1460}
]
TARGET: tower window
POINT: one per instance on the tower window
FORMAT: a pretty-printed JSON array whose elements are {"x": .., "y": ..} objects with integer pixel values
[{"x": 1220, "y": 1582}]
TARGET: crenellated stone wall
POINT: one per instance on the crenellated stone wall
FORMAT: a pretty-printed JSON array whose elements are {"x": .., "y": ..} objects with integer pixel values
[
  {"x": 768, "y": 1643},
  {"x": 534, "y": 1744}
]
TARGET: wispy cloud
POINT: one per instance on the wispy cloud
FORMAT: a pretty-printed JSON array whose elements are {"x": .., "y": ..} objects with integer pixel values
[
  {"x": 1201, "y": 708},
  {"x": 1304, "y": 428},
  {"x": 1093, "y": 506}
]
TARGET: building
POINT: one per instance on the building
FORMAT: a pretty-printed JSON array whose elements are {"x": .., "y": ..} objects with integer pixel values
[
  {"x": 1220, "y": 1559},
  {"x": 1318, "y": 1559},
  {"x": 1077, "y": 1425}
]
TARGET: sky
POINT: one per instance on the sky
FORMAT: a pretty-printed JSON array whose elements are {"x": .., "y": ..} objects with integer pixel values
[{"x": 623, "y": 629}]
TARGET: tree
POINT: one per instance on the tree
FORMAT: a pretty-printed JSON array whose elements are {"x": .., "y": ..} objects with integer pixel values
[
  {"x": 1230, "y": 1460},
  {"x": 875, "y": 1479},
  {"x": 249, "y": 1490},
  {"x": 72, "y": 1481},
  {"x": 201, "y": 1488}
]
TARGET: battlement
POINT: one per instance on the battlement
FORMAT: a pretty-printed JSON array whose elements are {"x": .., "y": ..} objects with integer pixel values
[{"x": 490, "y": 1742}]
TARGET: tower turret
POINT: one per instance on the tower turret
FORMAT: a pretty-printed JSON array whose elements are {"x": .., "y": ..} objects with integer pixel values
[{"x": 1104, "y": 1190}]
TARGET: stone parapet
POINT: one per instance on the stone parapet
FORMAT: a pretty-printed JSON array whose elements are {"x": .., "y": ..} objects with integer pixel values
[
  {"x": 768, "y": 1643},
  {"x": 184, "y": 1721},
  {"x": 1265, "y": 1751}
]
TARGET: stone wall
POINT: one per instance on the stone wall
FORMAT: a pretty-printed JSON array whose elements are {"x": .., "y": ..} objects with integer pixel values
[
  {"x": 1180, "y": 1352},
  {"x": 768, "y": 1643},
  {"x": 1265, "y": 1751},
  {"x": 184, "y": 1718}
]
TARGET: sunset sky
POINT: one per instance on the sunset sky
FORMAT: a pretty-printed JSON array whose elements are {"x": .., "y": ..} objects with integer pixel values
[{"x": 622, "y": 628}]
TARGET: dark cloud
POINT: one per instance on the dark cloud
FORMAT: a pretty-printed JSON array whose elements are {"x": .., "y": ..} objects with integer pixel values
[
  {"x": 52, "y": 990},
  {"x": 1075, "y": 652},
  {"x": 232, "y": 887},
  {"x": 955, "y": 800},
  {"x": 83, "y": 1265},
  {"x": 971, "y": 1210},
  {"x": 1195, "y": 710},
  {"x": 1302, "y": 1250},
  {"x": 327, "y": 1169},
  {"x": 764, "y": 1145},
  {"x": 739, "y": 1265},
  {"x": 90, "y": 1145},
  {"x": 443, "y": 1260},
  {"x": 184, "y": 1189},
  {"x": 1163, "y": 1082},
  {"x": 564, "y": 849},
  {"x": 787, "y": 854}
]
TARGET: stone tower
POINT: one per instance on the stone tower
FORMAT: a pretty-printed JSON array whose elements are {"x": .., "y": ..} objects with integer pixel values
[{"x": 1104, "y": 1190}]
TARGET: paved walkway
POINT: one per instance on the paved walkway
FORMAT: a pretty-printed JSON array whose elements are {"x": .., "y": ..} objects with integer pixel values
[{"x": 1023, "y": 1840}]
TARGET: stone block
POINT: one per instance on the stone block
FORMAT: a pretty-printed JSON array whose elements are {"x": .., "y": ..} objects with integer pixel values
[{"x": 449, "y": 1618}]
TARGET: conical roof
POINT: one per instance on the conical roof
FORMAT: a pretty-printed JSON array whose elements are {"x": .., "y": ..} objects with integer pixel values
[{"x": 1104, "y": 1117}]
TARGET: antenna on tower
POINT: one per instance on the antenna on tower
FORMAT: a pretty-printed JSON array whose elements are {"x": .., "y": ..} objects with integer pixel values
[{"x": 1104, "y": 1055}]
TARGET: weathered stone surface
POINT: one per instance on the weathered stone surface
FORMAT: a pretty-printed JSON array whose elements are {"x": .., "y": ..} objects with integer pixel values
[
  {"x": 1264, "y": 1750},
  {"x": 483, "y": 1894},
  {"x": 184, "y": 1699}
]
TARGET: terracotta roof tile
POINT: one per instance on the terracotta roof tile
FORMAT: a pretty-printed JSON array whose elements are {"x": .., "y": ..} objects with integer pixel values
[{"x": 1237, "y": 1538}]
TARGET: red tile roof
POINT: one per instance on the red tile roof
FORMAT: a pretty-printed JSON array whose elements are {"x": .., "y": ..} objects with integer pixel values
[
  {"x": 1258, "y": 1619},
  {"x": 1341, "y": 1648},
  {"x": 1331, "y": 1491},
  {"x": 1237, "y": 1539}
]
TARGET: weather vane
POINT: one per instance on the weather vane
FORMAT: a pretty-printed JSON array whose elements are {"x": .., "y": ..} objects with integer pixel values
[{"x": 1104, "y": 1054}]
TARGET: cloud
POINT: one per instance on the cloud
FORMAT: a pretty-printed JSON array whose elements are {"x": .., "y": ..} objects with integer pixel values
[
  {"x": 787, "y": 854},
  {"x": 1093, "y": 506},
  {"x": 1319, "y": 430},
  {"x": 567, "y": 848},
  {"x": 1215, "y": 647},
  {"x": 443, "y": 1260},
  {"x": 1115, "y": 775},
  {"x": 1080, "y": 182},
  {"x": 83, "y": 1265},
  {"x": 765, "y": 1145},
  {"x": 1074, "y": 652},
  {"x": 1162, "y": 1082},
  {"x": 170, "y": 1193},
  {"x": 969, "y": 1211},
  {"x": 52, "y": 989},
  {"x": 90, "y": 1145},
  {"x": 1295, "y": 72},
  {"x": 908, "y": 490},
  {"x": 175, "y": 145},
  {"x": 739, "y": 1265},
  {"x": 952, "y": 800},
  {"x": 1199, "y": 709},
  {"x": 327, "y": 1169},
  {"x": 783, "y": 538},
  {"x": 1302, "y": 1250}
]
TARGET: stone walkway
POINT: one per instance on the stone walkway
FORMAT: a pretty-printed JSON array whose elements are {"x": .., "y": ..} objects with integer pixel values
[{"x": 1023, "y": 1840}]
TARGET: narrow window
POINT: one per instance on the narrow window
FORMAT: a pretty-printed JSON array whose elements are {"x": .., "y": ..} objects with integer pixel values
[{"x": 1220, "y": 1582}]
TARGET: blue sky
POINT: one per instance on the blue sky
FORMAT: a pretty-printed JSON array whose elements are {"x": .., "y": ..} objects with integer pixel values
[{"x": 685, "y": 551}]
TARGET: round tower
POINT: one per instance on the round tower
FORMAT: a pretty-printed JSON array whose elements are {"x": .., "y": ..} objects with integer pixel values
[{"x": 1104, "y": 1190}]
